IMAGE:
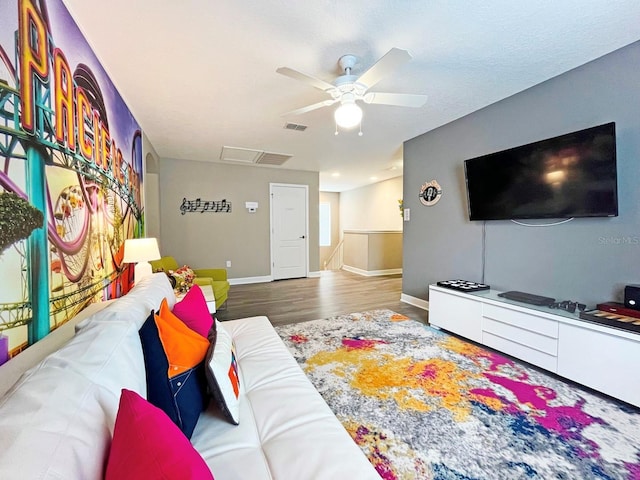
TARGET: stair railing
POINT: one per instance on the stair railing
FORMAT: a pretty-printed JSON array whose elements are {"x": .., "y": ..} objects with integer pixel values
[{"x": 335, "y": 260}]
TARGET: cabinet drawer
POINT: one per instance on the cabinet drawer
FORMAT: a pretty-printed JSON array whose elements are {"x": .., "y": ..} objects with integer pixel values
[
  {"x": 527, "y": 321},
  {"x": 523, "y": 352},
  {"x": 532, "y": 340}
]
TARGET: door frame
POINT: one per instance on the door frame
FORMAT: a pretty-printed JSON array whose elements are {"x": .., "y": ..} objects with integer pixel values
[{"x": 306, "y": 226}]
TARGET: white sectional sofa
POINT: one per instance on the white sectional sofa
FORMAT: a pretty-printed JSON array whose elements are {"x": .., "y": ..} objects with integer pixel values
[{"x": 57, "y": 420}]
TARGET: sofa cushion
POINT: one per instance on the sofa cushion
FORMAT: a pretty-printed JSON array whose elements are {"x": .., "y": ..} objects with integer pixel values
[
  {"x": 147, "y": 294},
  {"x": 223, "y": 375},
  {"x": 147, "y": 444},
  {"x": 287, "y": 430},
  {"x": 72, "y": 397},
  {"x": 193, "y": 311},
  {"x": 183, "y": 396},
  {"x": 184, "y": 348},
  {"x": 66, "y": 425}
]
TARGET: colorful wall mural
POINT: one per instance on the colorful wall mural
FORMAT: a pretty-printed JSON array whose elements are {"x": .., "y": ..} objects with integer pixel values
[{"x": 70, "y": 173}]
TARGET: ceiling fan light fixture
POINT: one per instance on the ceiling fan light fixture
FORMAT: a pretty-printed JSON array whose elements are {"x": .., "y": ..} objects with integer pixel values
[
  {"x": 348, "y": 115},
  {"x": 348, "y": 88}
]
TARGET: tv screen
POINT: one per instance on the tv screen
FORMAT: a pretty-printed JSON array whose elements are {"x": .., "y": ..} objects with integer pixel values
[{"x": 572, "y": 175}]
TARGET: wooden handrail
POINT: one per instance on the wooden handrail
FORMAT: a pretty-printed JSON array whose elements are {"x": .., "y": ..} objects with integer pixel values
[{"x": 336, "y": 250}]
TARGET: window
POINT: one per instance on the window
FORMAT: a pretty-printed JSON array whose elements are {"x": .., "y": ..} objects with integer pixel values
[{"x": 325, "y": 224}]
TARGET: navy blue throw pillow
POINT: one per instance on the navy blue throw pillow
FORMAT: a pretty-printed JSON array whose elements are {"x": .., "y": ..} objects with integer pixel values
[{"x": 182, "y": 397}]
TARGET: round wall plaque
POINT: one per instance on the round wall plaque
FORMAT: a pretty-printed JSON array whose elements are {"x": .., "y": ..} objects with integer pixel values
[{"x": 430, "y": 193}]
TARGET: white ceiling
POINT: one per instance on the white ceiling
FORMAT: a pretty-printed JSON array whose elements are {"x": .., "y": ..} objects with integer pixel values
[{"x": 201, "y": 74}]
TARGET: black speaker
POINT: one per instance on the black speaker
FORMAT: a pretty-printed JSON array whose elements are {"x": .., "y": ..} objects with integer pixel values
[{"x": 632, "y": 296}]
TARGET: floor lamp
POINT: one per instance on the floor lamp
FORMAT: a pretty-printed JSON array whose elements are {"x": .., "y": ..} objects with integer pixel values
[{"x": 140, "y": 251}]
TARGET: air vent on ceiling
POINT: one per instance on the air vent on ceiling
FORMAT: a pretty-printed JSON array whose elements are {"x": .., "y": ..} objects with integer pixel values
[
  {"x": 295, "y": 126},
  {"x": 248, "y": 155},
  {"x": 269, "y": 158}
]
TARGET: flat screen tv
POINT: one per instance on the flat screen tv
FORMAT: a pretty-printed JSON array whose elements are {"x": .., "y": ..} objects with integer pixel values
[{"x": 572, "y": 175}]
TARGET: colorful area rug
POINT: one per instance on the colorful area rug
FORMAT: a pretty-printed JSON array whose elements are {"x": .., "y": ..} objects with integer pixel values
[{"x": 423, "y": 404}]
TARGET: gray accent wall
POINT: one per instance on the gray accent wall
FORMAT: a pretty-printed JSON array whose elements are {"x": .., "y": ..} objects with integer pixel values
[
  {"x": 204, "y": 240},
  {"x": 588, "y": 259}
]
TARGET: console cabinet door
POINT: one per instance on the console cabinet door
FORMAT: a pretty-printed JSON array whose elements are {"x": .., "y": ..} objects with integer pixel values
[
  {"x": 604, "y": 362},
  {"x": 456, "y": 314}
]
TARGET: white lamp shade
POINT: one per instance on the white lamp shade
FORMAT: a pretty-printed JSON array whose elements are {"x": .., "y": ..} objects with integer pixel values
[
  {"x": 141, "y": 250},
  {"x": 348, "y": 115}
]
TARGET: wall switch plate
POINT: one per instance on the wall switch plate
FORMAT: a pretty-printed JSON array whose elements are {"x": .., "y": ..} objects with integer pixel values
[
  {"x": 407, "y": 214},
  {"x": 228, "y": 263}
]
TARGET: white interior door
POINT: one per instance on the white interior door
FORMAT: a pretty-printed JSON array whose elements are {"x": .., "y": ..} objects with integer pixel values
[{"x": 289, "y": 230}]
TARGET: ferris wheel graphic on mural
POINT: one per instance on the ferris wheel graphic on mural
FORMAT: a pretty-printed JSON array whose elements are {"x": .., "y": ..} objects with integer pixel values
[{"x": 57, "y": 153}]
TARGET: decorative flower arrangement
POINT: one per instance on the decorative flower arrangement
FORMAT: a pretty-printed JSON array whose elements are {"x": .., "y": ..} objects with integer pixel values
[
  {"x": 401, "y": 207},
  {"x": 184, "y": 278}
]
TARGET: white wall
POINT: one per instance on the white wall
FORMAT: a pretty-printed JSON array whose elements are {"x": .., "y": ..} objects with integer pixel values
[{"x": 373, "y": 207}]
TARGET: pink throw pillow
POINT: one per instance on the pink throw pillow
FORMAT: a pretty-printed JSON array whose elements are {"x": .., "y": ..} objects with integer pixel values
[
  {"x": 193, "y": 311},
  {"x": 147, "y": 444}
]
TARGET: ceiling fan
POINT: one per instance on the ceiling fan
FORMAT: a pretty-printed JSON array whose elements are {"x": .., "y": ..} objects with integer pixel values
[{"x": 348, "y": 89}]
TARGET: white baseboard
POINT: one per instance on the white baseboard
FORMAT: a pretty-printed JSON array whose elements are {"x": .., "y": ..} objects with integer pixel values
[
  {"x": 372, "y": 273},
  {"x": 415, "y": 301},
  {"x": 314, "y": 274},
  {"x": 247, "y": 280}
]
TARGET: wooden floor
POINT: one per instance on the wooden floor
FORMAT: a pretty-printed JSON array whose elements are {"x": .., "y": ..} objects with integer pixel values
[{"x": 334, "y": 293}]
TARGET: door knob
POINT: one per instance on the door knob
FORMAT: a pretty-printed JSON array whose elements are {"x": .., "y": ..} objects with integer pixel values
[{"x": 302, "y": 236}]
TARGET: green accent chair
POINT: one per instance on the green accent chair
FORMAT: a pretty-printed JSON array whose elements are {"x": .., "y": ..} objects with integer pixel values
[{"x": 216, "y": 277}]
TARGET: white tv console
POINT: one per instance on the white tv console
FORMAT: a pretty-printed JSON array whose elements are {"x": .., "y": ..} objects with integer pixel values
[{"x": 604, "y": 358}]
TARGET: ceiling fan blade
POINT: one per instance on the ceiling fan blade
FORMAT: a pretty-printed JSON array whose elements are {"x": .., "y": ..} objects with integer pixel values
[
  {"x": 393, "y": 59},
  {"x": 398, "y": 99},
  {"x": 303, "y": 77},
  {"x": 309, "y": 108}
]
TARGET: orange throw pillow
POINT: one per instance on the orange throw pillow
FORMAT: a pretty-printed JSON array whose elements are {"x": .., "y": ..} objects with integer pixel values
[{"x": 184, "y": 348}]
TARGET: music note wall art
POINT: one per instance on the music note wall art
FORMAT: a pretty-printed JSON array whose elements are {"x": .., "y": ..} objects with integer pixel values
[{"x": 202, "y": 206}]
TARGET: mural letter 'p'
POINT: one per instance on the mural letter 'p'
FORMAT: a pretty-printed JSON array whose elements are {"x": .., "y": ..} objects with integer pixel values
[{"x": 33, "y": 59}]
